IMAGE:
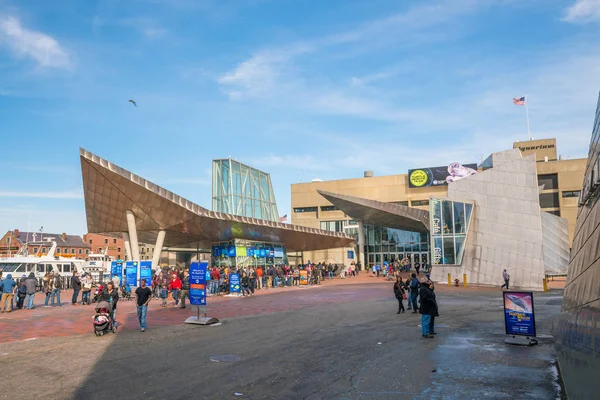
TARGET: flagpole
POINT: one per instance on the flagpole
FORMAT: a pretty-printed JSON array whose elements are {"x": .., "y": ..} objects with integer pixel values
[{"x": 527, "y": 114}]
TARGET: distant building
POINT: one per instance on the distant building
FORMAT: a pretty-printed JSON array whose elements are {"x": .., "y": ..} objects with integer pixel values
[
  {"x": 109, "y": 245},
  {"x": 41, "y": 242},
  {"x": 239, "y": 189}
]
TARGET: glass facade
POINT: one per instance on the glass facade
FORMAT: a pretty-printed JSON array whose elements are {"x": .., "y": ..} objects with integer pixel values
[
  {"x": 242, "y": 190},
  {"x": 388, "y": 244},
  {"x": 449, "y": 224}
]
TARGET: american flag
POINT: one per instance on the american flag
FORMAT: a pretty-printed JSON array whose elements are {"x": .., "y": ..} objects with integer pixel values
[
  {"x": 519, "y": 101},
  {"x": 283, "y": 219}
]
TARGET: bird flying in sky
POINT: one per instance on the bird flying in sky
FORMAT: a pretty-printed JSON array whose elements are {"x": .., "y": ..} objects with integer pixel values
[{"x": 133, "y": 102}]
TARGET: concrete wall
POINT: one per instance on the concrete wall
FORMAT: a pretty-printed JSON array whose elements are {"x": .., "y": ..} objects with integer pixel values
[
  {"x": 578, "y": 328},
  {"x": 555, "y": 231},
  {"x": 506, "y": 227}
]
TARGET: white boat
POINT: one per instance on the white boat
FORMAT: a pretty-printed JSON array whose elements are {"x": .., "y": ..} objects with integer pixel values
[
  {"x": 98, "y": 264},
  {"x": 24, "y": 263}
]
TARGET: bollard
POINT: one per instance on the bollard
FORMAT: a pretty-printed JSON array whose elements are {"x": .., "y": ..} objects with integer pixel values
[
  {"x": 449, "y": 280},
  {"x": 545, "y": 284},
  {"x": 465, "y": 280}
]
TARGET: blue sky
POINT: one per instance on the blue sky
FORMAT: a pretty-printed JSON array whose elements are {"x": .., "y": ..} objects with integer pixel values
[{"x": 303, "y": 89}]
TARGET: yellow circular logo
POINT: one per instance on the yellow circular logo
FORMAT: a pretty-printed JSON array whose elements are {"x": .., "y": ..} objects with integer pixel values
[{"x": 418, "y": 177}]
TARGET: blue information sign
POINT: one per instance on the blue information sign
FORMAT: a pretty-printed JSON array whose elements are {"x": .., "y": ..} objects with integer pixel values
[
  {"x": 198, "y": 283},
  {"x": 250, "y": 251},
  {"x": 262, "y": 253},
  {"x": 351, "y": 254},
  {"x": 519, "y": 315},
  {"x": 216, "y": 251},
  {"x": 131, "y": 271},
  {"x": 231, "y": 251},
  {"x": 116, "y": 268},
  {"x": 146, "y": 272},
  {"x": 234, "y": 283}
]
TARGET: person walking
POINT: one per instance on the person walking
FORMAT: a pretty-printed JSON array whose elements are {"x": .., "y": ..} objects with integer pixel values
[
  {"x": 428, "y": 310},
  {"x": 57, "y": 285},
  {"x": 414, "y": 292},
  {"x": 110, "y": 294},
  {"x": 253, "y": 278},
  {"x": 175, "y": 286},
  {"x": 46, "y": 288},
  {"x": 86, "y": 288},
  {"x": 400, "y": 294},
  {"x": 8, "y": 287},
  {"x": 21, "y": 292},
  {"x": 215, "y": 276},
  {"x": 76, "y": 285},
  {"x": 185, "y": 288},
  {"x": 30, "y": 289},
  {"x": 259, "y": 277},
  {"x": 143, "y": 296},
  {"x": 245, "y": 281},
  {"x": 506, "y": 278}
]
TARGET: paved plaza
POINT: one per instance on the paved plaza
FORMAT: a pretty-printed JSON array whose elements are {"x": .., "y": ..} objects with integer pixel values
[{"x": 341, "y": 340}]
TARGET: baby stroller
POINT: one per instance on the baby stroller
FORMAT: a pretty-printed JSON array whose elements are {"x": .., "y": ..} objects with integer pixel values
[
  {"x": 103, "y": 322},
  {"x": 126, "y": 292},
  {"x": 97, "y": 293}
]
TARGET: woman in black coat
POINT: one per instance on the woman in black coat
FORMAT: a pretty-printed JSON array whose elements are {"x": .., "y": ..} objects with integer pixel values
[
  {"x": 111, "y": 295},
  {"x": 428, "y": 309},
  {"x": 400, "y": 293}
]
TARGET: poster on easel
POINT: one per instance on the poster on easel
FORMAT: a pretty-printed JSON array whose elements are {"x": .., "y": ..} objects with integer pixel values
[{"x": 303, "y": 277}]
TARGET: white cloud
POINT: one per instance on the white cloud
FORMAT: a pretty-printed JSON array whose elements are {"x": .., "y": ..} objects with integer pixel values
[
  {"x": 44, "y": 49},
  {"x": 583, "y": 11},
  {"x": 44, "y": 195}
]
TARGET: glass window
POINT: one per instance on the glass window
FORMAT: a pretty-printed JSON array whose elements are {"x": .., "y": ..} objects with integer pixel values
[
  {"x": 72, "y": 251},
  {"x": 436, "y": 215},
  {"x": 449, "y": 250},
  {"x": 549, "y": 200},
  {"x": 90, "y": 241},
  {"x": 80, "y": 251},
  {"x": 67, "y": 267},
  {"x": 468, "y": 211},
  {"x": 58, "y": 250},
  {"x": 105, "y": 241},
  {"x": 87, "y": 251},
  {"x": 40, "y": 268},
  {"x": 114, "y": 241},
  {"x": 437, "y": 250},
  {"x": 460, "y": 248},
  {"x": 554, "y": 212},
  {"x": 571, "y": 193},
  {"x": 329, "y": 208},
  {"x": 377, "y": 235},
  {"x": 459, "y": 217},
  {"x": 35, "y": 249},
  {"x": 549, "y": 181},
  {"x": 119, "y": 249},
  {"x": 419, "y": 203},
  {"x": 43, "y": 249},
  {"x": 305, "y": 209},
  {"x": 21, "y": 268},
  {"x": 447, "y": 220}
]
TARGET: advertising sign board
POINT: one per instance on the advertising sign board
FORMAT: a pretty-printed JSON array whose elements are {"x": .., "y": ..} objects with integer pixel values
[
  {"x": 303, "y": 277},
  {"x": 234, "y": 283},
  {"x": 116, "y": 268},
  {"x": 436, "y": 176},
  {"x": 146, "y": 272},
  {"x": 131, "y": 271},
  {"x": 198, "y": 283},
  {"x": 351, "y": 254},
  {"x": 519, "y": 315}
]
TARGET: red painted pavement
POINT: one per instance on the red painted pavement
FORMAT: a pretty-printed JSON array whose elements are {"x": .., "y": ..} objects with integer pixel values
[{"x": 70, "y": 320}]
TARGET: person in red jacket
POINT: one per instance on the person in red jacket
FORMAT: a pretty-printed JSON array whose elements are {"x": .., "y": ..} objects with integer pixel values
[
  {"x": 174, "y": 288},
  {"x": 215, "y": 276}
]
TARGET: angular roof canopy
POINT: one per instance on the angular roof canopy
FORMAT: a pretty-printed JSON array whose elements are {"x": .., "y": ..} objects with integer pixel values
[
  {"x": 380, "y": 213},
  {"x": 110, "y": 191}
]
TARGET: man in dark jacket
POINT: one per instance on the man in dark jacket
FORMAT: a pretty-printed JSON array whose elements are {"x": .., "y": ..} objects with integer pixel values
[
  {"x": 30, "y": 288},
  {"x": 185, "y": 288},
  {"x": 429, "y": 309},
  {"x": 76, "y": 285},
  {"x": 414, "y": 292}
]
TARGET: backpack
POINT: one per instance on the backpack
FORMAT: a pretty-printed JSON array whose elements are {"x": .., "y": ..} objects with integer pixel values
[
  {"x": 58, "y": 283},
  {"x": 414, "y": 284}
]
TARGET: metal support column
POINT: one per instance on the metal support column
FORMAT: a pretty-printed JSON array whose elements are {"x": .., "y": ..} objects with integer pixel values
[
  {"x": 160, "y": 240},
  {"x": 135, "y": 247},
  {"x": 127, "y": 245},
  {"x": 361, "y": 244}
]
